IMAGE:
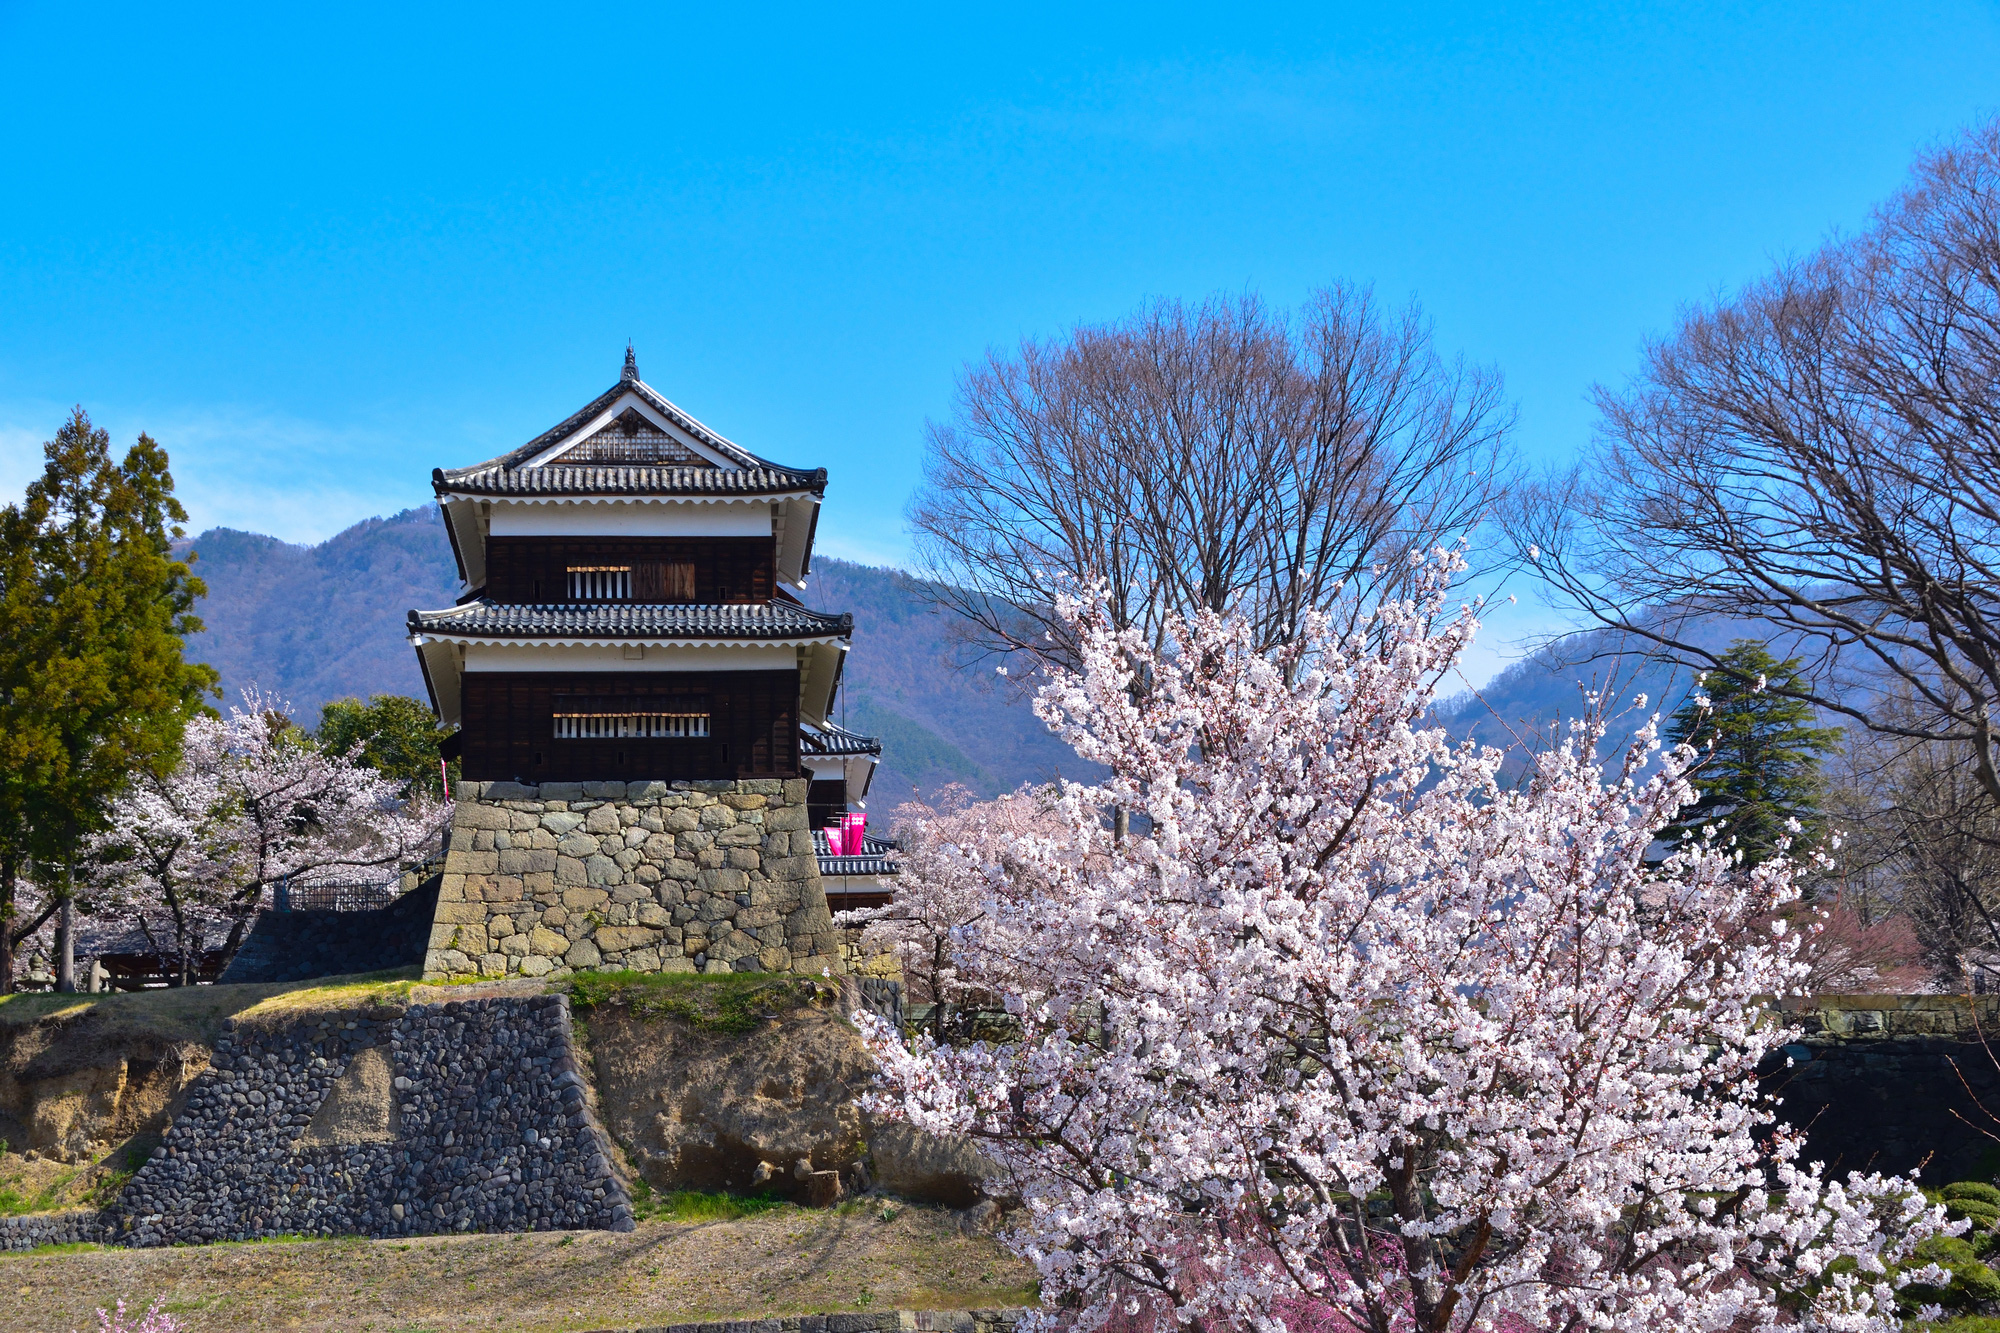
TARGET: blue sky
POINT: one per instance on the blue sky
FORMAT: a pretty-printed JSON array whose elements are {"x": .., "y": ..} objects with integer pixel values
[{"x": 317, "y": 253}]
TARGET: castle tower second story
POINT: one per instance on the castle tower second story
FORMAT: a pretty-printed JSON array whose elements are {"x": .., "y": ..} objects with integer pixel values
[{"x": 631, "y": 604}]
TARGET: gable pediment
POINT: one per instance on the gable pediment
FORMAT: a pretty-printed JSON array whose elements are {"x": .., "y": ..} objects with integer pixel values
[{"x": 630, "y": 432}]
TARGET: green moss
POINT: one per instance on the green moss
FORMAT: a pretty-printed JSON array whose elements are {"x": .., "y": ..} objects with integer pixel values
[
  {"x": 734, "y": 1002},
  {"x": 1978, "y": 1211},
  {"x": 1973, "y": 1190},
  {"x": 696, "y": 1206}
]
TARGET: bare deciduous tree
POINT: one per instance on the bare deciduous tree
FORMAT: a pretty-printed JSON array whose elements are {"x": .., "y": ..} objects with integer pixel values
[
  {"x": 1821, "y": 451},
  {"x": 1920, "y": 838},
  {"x": 1218, "y": 456}
]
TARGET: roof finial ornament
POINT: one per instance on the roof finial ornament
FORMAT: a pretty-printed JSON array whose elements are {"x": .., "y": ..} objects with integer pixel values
[{"x": 630, "y": 374}]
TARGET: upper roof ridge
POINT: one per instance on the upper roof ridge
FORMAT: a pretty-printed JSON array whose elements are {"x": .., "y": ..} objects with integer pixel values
[{"x": 628, "y": 383}]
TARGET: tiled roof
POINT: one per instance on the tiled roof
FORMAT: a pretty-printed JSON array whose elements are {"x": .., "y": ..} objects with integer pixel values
[
  {"x": 836, "y": 741},
  {"x": 622, "y": 620},
  {"x": 684, "y": 479},
  {"x": 874, "y": 859},
  {"x": 510, "y": 463}
]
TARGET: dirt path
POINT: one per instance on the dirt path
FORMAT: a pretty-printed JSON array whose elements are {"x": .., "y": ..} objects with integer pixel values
[{"x": 782, "y": 1262}]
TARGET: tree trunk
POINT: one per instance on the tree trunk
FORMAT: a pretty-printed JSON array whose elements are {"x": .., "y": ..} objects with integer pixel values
[
  {"x": 9, "y": 870},
  {"x": 1121, "y": 822},
  {"x": 66, "y": 947}
]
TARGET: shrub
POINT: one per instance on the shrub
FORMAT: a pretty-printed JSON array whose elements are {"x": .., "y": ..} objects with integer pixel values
[
  {"x": 1977, "y": 1211},
  {"x": 155, "y": 1320},
  {"x": 1973, "y": 1189}
]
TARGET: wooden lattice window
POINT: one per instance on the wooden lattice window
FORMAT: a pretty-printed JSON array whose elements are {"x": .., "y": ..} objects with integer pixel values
[
  {"x": 604, "y": 718},
  {"x": 600, "y": 583}
]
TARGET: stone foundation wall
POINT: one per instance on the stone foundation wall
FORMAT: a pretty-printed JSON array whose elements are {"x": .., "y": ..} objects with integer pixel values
[
  {"x": 1894, "y": 1083},
  {"x": 651, "y": 876},
  {"x": 465, "y": 1116}
]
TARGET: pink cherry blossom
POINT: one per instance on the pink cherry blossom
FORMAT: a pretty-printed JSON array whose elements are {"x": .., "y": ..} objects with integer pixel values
[{"x": 1345, "y": 1033}]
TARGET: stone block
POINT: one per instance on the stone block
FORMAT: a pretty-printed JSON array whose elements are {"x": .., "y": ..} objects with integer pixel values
[
  {"x": 745, "y": 800},
  {"x": 583, "y": 954},
  {"x": 472, "y": 863},
  {"x": 524, "y": 821},
  {"x": 627, "y": 858},
  {"x": 646, "y": 791},
  {"x": 791, "y": 868},
  {"x": 604, "y": 819},
  {"x": 562, "y": 791},
  {"x": 533, "y": 966},
  {"x": 514, "y": 946},
  {"x": 647, "y": 873},
  {"x": 681, "y": 820},
  {"x": 460, "y": 913},
  {"x": 472, "y": 815},
  {"x": 795, "y": 790},
  {"x": 775, "y": 959},
  {"x": 539, "y": 883},
  {"x": 745, "y": 858},
  {"x": 451, "y": 889},
  {"x": 604, "y": 791},
  {"x": 808, "y": 921},
  {"x": 508, "y": 791},
  {"x": 569, "y": 870},
  {"x": 578, "y": 845},
  {"x": 602, "y": 870},
  {"x": 562, "y": 823},
  {"x": 725, "y": 881},
  {"x": 740, "y": 835},
  {"x": 785, "y": 819},
  {"x": 717, "y": 817},
  {"x": 710, "y": 858},
  {"x": 652, "y": 914},
  {"x": 621, "y": 939},
  {"x": 504, "y": 889},
  {"x": 547, "y": 942},
  {"x": 581, "y": 899},
  {"x": 524, "y": 862}
]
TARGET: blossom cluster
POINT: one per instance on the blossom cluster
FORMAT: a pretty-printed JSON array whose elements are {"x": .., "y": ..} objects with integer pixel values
[
  {"x": 251, "y": 802},
  {"x": 1343, "y": 1020}
]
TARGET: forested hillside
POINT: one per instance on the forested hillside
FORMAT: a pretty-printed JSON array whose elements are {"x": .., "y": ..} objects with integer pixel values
[{"x": 314, "y": 623}]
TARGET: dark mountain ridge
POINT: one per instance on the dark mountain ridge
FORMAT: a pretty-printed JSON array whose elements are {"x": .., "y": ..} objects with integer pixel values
[{"x": 315, "y": 623}]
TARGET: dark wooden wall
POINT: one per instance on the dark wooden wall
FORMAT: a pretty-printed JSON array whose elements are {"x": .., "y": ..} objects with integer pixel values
[
  {"x": 509, "y": 726},
  {"x": 826, "y": 801},
  {"x": 727, "y": 570}
]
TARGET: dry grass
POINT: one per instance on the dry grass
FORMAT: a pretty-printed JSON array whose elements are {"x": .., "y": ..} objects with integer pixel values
[
  {"x": 781, "y": 1262},
  {"x": 196, "y": 1013}
]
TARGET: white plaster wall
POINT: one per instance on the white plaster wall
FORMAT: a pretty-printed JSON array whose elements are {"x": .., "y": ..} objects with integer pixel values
[
  {"x": 611, "y": 657},
  {"x": 653, "y": 519}
]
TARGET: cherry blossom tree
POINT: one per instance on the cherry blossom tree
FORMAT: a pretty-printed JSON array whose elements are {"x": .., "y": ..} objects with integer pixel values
[
  {"x": 253, "y": 803},
  {"x": 950, "y": 849},
  {"x": 1345, "y": 1025}
]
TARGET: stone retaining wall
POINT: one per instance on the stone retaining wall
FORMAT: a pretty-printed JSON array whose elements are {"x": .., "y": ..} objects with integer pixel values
[
  {"x": 1895, "y": 1083},
  {"x": 465, "y": 1116},
  {"x": 37, "y": 1230},
  {"x": 651, "y": 876}
]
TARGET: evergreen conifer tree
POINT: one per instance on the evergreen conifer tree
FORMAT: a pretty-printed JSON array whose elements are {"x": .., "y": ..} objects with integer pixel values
[
  {"x": 1760, "y": 765},
  {"x": 94, "y": 607}
]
